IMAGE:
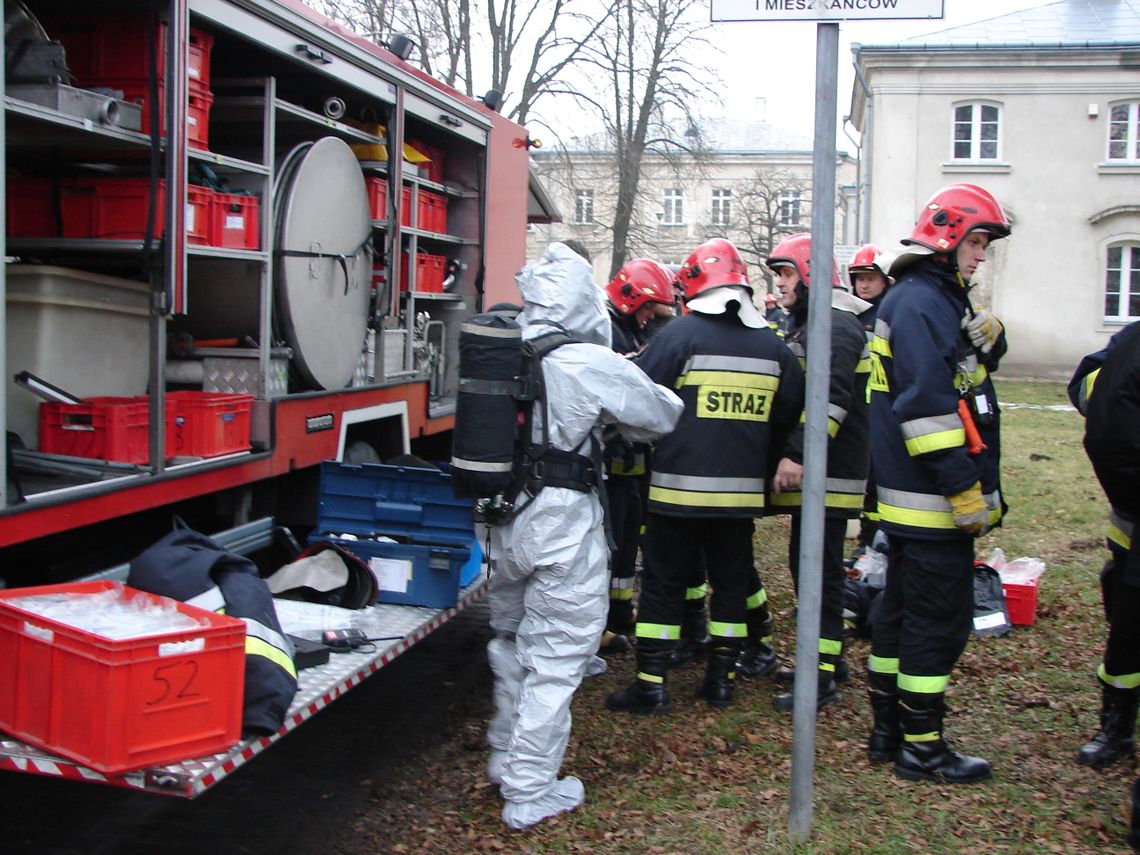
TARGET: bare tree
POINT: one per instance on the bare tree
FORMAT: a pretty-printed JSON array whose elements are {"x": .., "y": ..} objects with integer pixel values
[
  {"x": 771, "y": 205},
  {"x": 641, "y": 56}
]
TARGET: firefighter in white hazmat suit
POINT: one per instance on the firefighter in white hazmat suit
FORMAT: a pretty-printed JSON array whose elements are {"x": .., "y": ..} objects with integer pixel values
[{"x": 549, "y": 565}]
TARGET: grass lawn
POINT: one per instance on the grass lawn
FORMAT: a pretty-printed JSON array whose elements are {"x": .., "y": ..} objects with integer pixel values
[{"x": 701, "y": 781}]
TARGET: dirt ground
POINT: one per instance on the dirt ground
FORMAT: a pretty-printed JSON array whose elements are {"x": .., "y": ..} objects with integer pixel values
[{"x": 325, "y": 788}]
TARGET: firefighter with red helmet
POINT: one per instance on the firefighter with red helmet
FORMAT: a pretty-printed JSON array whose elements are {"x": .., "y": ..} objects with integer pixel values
[
  {"x": 635, "y": 293},
  {"x": 742, "y": 390},
  {"x": 847, "y": 448},
  {"x": 869, "y": 271},
  {"x": 930, "y": 387}
]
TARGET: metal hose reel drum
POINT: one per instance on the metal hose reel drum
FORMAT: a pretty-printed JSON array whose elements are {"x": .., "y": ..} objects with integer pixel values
[{"x": 323, "y": 268}]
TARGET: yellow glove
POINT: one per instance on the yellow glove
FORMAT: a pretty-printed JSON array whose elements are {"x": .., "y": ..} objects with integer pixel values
[
  {"x": 970, "y": 513},
  {"x": 983, "y": 329}
]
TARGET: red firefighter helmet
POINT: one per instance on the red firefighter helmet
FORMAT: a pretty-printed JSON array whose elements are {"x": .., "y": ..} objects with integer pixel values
[
  {"x": 640, "y": 281},
  {"x": 955, "y": 211},
  {"x": 795, "y": 251},
  {"x": 869, "y": 259},
  {"x": 712, "y": 264}
]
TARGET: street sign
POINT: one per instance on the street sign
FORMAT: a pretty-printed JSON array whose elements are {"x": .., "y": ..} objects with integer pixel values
[{"x": 824, "y": 11}]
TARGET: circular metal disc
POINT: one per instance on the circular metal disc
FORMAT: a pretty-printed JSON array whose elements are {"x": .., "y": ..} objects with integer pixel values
[{"x": 322, "y": 302}]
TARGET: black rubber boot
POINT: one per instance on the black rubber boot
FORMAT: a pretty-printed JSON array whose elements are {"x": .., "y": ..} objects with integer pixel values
[
  {"x": 758, "y": 658},
  {"x": 694, "y": 634},
  {"x": 647, "y": 694},
  {"x": 1134, "y": 824},
  {"x": 787, "y": 673},
  {"x": 826, "y": 695},
  {"x": 886, "y": 734},
  {"x": 720, "y": 674},
  {"x": 929, "y": 757},
  {"x": 1115, "y": 739}
]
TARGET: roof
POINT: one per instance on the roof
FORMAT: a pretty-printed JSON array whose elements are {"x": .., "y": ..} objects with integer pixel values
[
  {"x": 1070, "y": 23},
  {"x": 720, "y": 135}
]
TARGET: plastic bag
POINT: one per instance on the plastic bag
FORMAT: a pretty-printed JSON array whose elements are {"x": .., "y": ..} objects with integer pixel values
[
  {"x": 991, "y": 616},
  {"x": 871, "y": 566},
  {"x": 1022, "y": 571}
]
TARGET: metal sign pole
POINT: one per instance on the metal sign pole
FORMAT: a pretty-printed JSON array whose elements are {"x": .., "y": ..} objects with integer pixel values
[{"x": 815, "y": 431}]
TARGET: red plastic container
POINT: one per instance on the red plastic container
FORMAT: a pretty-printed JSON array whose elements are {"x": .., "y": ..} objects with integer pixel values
[
  {"x": 428, "y": 275},
  {"x": 432, "y": 170},
  {"x": 1021, "y": 601},
  {"x": 116, "y": 705},
  {"x": 432, "y": 211},
  {"x": 206, "y": 424},
  {"x": 115, "y": 46},
  {"x": 116, "y": 209},
  {"x": 30, "y": 208},
  {"x": 378, "y": 200},
  {"x": 106, "y": 428},
  {"x": 198, "y": 104},
  {"x": 233, "y": 221}
]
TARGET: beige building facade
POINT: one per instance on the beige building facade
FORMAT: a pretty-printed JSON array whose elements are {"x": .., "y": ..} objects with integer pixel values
[{"x": 1042, "y": 108}]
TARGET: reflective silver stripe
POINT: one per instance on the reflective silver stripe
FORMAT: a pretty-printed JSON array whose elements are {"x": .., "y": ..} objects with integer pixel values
[
  {"x": 915, "y": 428},
  {"x": 477, "y": 466},
  {"x": 619, "y": 583},
  {"x": 882, "y": 329},
  {"x": 493, "y": 332},
  {"x": 269, "y": 636},
  {"x": 866, "y": 352},
  {"x": 928, "y": 501},
  {"x": 970, "y": 362},
  {"x": 705, "y": 484},
  {"x": 797, "y": 349},
  {"x": 488, "y": 387},
  {"x": 745, "y": 364},
  {"x": 857, "y": 486},
  {"x": 211, "y": 600},
  {"x": 836, "y": 412}
]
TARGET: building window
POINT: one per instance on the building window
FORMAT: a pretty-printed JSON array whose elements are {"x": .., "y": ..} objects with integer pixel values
[
  {"x": 673, "y": 207},
  {"x": 976, "y": 129},
  {"x": 1122, "y": 283},
  {"x": 1124, "y": 131},
  {"x": 789, "y": 211},
  {"x": 721, "y": 207},
  {"x": 583, "y": 207}
]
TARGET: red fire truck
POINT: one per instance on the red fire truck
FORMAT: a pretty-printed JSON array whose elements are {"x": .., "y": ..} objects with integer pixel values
[{"x": 240, "y": 241}]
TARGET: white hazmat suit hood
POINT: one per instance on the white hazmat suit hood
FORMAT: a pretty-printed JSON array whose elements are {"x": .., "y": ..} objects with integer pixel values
[{"x": 549, "y": 565}]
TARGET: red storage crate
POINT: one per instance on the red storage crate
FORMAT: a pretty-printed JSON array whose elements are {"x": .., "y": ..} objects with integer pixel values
[
  {"x": 115, "y": 209},
  {"x": 432, "y": 169},
  {"x": 206, "y": 424},
  {"x": 117, "y": 705},
  {"x": 115, "y": 429},
  {"x": 199, "y": 102},
  {"x": 233, "y": 221},
  {"x": 115, "y": 46},
  {"x": 428, "y": 274},
  {"x": 1021, "y": 601},
  {"x": 30, "y": 208},
  {"x": 432, "y": 211},
  {"x": 377, "y": 197}
]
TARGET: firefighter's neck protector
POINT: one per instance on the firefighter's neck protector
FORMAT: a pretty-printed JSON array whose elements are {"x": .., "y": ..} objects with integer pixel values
[{"x": 726, "y": 299}]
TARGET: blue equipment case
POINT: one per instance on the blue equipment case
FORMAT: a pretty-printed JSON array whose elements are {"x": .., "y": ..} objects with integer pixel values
[{"x": 436, "y": 552}]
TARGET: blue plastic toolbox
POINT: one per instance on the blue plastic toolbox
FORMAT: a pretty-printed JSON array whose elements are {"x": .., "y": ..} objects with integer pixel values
[{"x": 435, "y": 552}]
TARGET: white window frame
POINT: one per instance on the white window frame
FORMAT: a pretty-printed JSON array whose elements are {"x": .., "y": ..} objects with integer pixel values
[
  {"x": 1131, "y": 132},
  {"x": 975, "y": 140},
  {"x": 1117, "y": 281},
  {"x": 721, "y": 207},
  {"x": 583, "y": 206},
  {"x": 789, "y": 204},
  {"x": 672, "y": 206}
]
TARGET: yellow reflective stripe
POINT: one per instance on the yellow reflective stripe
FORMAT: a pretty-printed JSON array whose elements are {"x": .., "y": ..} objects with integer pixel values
[
  {"x": 922, "y": 737},
  {"x": 827, "y": 666},
  {"x": 256, "y": 647},
  {"x": 936, "y": 441},
  {"x": 621, "y": 594},
  {"x": 660, "y": 631},
  {"x": 923, "y": 685},
  {"x": 697, "y": 592},
  {"x": 719, "y": 629},
  {"x": 863, "y": 366},
  {"x": 1123, "y": 681},
  {"x": 881, "y": 346},
  {"x": 979, "y": 376},
  {"x": 619, "y": 468},
  {"x": 1119, "y": 531},
  {"x": 830, "y": 646},
  {"x": 650, "y": 678},
  {"x": 883, "y": 664},
  {"x": 832, "y": 427},
  {"x": 756, "y": 600},
  {"x": 741, "y": 379},
  {"x": 925, "y": 519},
  {"x": 705, "y": 500},
  {"x": 873, "y": 516},
  {"x": 1086, "y": 389},
  {"x": 845, "y": 501}
]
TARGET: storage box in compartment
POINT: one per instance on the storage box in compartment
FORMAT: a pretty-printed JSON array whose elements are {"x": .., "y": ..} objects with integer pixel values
[
  {"x": 117, "y": 705},
  {"x": 116, "y": 429},
  {"x": 205, "y": 424},
  {"x": 116, "y": 209},
  {"x": 30, "y": 207},
  {"x": 115, "y": 46},
  {"x": 199, "y": 102},
  {"x": 233, "y": 221},
  {"x": 436, "y": 552},
  {"x": 428, "y": 274},
  {"x": 432, "y": 211}
]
